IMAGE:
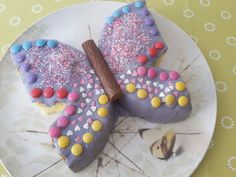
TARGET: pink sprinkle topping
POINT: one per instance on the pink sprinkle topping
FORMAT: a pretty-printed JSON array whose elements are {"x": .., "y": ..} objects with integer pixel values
[
  {"x": 142, "y": 70},
  {"x": 152, "y": 73},
  {"x": 174, "y": 75},
  {"x": 63, "y": 122},
  {"x": 73, "y": 96},
  {"x": 163, "y": 76},
  {"x": 124, "y": 40},
  {"x": 54, "y": 132},
  {"x": 70, "y": 110}
]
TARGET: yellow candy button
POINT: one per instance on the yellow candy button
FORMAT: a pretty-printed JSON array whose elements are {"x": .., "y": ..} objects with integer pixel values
[
  {"x": 156, "y": 102},
  {"x": 88, "y": 137},
  {"x": 180, "y": 86},
  {"x": 97, "y": 125},
  {"x": 102, "y": 112},
  {"x": 103, "y": 99},
  {"x": 130, "y": 88},
  {"x": 142, "y": 93},
  {"x": 183, "y": 101},
  {"x": 63, "y": 141},
  {"x": 169, "y": 99},
  {"x": 77, "y": 149}
]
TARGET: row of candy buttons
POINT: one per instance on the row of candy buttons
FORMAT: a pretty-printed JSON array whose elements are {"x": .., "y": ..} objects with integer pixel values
[
  {"x": 156, "y": 102},
  {"x": 152, "y": 73}
]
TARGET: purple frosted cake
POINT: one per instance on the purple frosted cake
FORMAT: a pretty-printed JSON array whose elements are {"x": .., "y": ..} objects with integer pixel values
[{"x": 56, "y": 73}]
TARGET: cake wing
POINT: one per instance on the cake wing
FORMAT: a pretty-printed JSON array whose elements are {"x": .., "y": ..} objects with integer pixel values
[
  {"x": 49, "y": 69},
  {"x": 128, "y": 33}
]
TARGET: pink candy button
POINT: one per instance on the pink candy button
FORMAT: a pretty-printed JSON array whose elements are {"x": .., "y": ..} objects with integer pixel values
[
  {"x": 142, "y": 70},
  {"x": 174, "y": 75},
  {"x": 63, "y": 122},
  {"x": 70, "y": 110},
  {"x": 54, "y": 132},
  {"x": 152, "y": 73},
  {"x": 163, "y": 76},
  {"x": 73, "y": 96}
]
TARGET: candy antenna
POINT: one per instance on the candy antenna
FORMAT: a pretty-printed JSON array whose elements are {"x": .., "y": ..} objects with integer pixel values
[{"x": 90, "y": 35}]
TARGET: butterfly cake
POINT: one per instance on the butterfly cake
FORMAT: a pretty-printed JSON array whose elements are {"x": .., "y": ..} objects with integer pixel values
[{"x": 58, "y": 76}]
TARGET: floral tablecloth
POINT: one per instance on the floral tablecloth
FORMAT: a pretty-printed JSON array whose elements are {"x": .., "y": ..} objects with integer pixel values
[{"x": 210, "y": 23}]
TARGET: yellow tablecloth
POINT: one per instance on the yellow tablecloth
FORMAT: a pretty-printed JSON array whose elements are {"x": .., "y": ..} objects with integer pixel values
[{"x": 210, "y": 23}]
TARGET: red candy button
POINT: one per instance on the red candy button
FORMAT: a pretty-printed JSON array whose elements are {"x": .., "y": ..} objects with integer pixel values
[
  {"x": 152, "y": 51},
  {"x": 36, "y": 92},
  {"x": 159, "y": 45},
  {"x": 142, "y": 59},
  {"x": 48, "y": 92},
  {"x": 62, "y": 93}
]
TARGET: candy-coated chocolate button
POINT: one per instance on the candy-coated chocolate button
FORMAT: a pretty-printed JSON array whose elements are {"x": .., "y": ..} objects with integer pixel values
[
  {"x": 48, "y": 92},
  {"x": 139, "y": 4},
  {"x": 63, "y": 142},
  {"x": 27, "y": 45},
  {"x": 97, "y": 125},
  {"x": 41, "y": 43},
  {"x": 109, "y": 20},
  {"x": 73, "y": 96},
  {"x": 173, "y": 75},
  {"x": 152, "y": 73},
  {"x": 54, "y": 132},
  {"x": 142, "y": 59},
  {"x": 36, "y": 92},
  {"x": 19, "y": 58},
  {"x": 88, "y": 137},
  {"x": 169, "y": 99},
  {"x": 52, "y": 43},
  {"x": 154, "y": 31},
  {"x": 116, "y": 13},
  {"x": 63, "y": 121},
  {"x": 183, "y": 101},
  {"x": 142, "y": 93},
  {"x": 152, "y": 51},
  {"x": 62, "y": 93},
  {"x": 156, "y": 102},
  {"x": 145, "y": 12},
  {"x": 103, "y": 99},
  {"x": 70, "y": 110},
  {"x": 130, "y": 88},
  {"x": 102, "y": 112},
  {"x": 142, "y": 70},
  {"x": 16, "y": 48},
  {"x": 163, "y": 76},
  {"x": 159, "y": 45},
  {"x": 149, "y": 21},
  {"x": 180, "y": 86},
  {"x": 77, "y": 149},
  {"x": 25, "y": 67},
  {"x": 30, "y": 78},
  {"x": 126, "y": 9}
]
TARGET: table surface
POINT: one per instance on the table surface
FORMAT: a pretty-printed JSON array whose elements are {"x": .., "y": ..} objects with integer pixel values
[{"x": 210, "y": 23}]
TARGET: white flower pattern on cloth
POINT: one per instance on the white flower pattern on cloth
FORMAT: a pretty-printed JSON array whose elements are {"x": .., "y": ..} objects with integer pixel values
[
  {"x": 221, "y": 86},
  {"x": 37, "y": 8},
  {"x": 227, "y": 122},
  {"x": 15, "y": 21},
  {"x": 231, "y": 163}
]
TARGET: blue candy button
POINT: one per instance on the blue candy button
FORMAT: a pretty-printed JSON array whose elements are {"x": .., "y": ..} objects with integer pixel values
[
  {"x": 116, "y": 13},
  {"x": 15, "y": 48},
  {"x": 139, "y": 4},
  {"x": 126, "y": 9},
  {"x": 41, "y": 42},
  {"x": 27, "y": 45},
  {"x": 109, "y": 20},
  {"x": 52, "y": 43}
]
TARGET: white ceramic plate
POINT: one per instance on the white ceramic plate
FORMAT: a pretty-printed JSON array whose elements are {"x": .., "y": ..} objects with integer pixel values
[{"x": 27, "y": 153}]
